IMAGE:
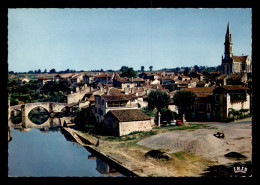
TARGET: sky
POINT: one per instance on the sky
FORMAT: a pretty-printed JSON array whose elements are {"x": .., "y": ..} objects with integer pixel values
[{"x": 89, "y": 39}]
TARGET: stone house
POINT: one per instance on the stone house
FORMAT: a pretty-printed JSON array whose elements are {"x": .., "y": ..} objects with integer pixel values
[
  {"x": 113, "y": 99},
  {"x": 123, "y": 122},
  {"x": 78, "y": 95},
  {"x": 228, "y": 97},
  {"x": 139, "y": 82},
  {"x": 123, "y": 82},
  {"x": 104, "y": 78},
  {"x": 203, "y": 107},
  {"x": 43, "y": 80},
  {"x": 88, "y": 79},
  {"x": 21, "y": 80}
]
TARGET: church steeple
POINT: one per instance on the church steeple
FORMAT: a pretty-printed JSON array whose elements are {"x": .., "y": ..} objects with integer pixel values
[{"x": 228, "y": 44}]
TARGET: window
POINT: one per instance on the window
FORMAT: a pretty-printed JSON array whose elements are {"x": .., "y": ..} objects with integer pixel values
[
  {"x": 208, "y": 107},
  {"x": 201, "y": 106},
  {"x": 217, "y": 97}
]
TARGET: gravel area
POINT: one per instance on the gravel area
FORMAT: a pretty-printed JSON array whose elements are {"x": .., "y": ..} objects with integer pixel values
[{"x": 238, "y": 138}]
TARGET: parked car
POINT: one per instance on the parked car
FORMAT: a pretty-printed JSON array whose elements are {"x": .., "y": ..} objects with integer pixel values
[
  {"x": 173, "y": 123},
  {"x": 178, "y": 122}
]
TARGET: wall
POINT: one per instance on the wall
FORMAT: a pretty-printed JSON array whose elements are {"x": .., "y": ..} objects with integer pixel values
[
  {"x": 238, "y": 105},
  {"x": 128, "y": 127},
  {"x": 75, "y": 97}
]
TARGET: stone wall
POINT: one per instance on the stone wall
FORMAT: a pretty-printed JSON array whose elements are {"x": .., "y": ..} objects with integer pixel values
[
  {"x": 128, "y": 127},
  {"x": 77, "y": 96}
]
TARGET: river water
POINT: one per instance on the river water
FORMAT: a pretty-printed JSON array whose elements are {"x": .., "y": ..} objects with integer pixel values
[{"x": 45, "y": 152}]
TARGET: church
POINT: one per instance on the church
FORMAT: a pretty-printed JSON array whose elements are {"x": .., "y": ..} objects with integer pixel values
[{"x": 234, "y": 64}]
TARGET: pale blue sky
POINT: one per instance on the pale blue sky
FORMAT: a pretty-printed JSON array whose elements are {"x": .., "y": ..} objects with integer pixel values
[{"x": 87, "y": 39}]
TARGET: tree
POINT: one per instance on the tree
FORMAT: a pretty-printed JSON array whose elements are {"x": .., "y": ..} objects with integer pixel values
[
  {"x": 128, "y": 72},
  {"x": 158, "y": 99},
  {"x": 151, "y": 68},
  {"x": 184, "y": 100},
  {"x": 167, "y": 115},
  {"x": 123, "y": 68},
  {"x": 52, "y": 71},
  {"x": 186, "y": 71},
  {"x": 142, "y": 69},
  {"x": 196, "y": 68}
]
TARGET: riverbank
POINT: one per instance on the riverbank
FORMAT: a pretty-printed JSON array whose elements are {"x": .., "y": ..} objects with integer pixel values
[{"x": 192, "y": 148}]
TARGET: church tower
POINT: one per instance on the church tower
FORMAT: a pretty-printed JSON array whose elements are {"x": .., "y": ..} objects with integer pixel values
[{"x": 228, "y": 44}]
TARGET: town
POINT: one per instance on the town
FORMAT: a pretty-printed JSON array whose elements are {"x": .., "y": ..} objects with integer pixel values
[{"x": 114, "y": 106}]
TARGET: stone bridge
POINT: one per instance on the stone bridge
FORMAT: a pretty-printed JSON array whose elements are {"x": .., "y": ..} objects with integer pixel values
[
  {"x": 27, "y": 108},
  {"x": 50, "y": 122}
]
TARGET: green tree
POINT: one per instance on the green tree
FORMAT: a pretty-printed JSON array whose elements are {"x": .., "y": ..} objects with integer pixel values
[
  {"x": 151, "y": 68},
  {"x": 52, "y": 71},
  {"x": 167, "y": 115},
  {"x": 142, "y": 69},
  {"x": 128, "y": 72},
  {"x": 184, "y": 100},
  {"x": 158, "y": 99}
]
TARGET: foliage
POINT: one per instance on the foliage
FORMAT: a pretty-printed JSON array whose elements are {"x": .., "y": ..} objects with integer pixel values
[
  {"x": 128, "y": 72},
  {"x": 238, "y": 96},
  {"x": 158, "y": 99},
  {"x": 237, "y": 114},
  {"x": 151, "y": 68},
  {"x": 148, "y": 111},
  {"x": 142, "y": 69},
  {"x": 52, "y": 71},
  {"x": 184, "y": 100},
  {"x": 167, "y": 115}
]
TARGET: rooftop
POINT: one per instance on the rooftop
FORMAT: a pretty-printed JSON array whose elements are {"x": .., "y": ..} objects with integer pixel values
[{"x": 129, "y": 115}]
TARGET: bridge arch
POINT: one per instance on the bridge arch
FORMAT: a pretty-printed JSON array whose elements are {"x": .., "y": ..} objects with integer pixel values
[{"x": 30, "y": 106}]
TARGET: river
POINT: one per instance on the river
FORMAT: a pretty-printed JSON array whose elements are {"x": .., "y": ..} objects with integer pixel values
[{"x": 34, "y": 152}]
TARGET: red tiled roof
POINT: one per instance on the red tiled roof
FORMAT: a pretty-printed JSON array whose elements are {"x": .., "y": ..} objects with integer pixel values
[
  {"x": 201, "y": 91},
  {"x": 113, "y": 98},
  {"x": 104, "y": 75},
  {"x": 43, "y": 78},
  {"x": 129, "y": 115},
  {"x": 234, "y": 87}
]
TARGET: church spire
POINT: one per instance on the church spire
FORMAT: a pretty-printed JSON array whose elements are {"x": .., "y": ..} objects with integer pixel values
[
  {"x": 228, "y": 43},
  {"x": 228, "y": 29}
]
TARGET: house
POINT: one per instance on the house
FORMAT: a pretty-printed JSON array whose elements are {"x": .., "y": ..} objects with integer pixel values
[
  {"x": 76, "y": 78},
  {"x": 43, "y": 80},
  {"x": 237, "y": 79},
  {"x": 88, "y": 79},
  {"x": 104, "y": 78},
  {"x": 203, "y": 107},
  {"x": 166, "y": 81},
  {"x": 222, "y": 79},
  {"x": 123, "y": 82},
  {"x": 231, "y": 97},
  {"x": 139, "y": 81},
  {"x": 22, "y": 80},
  {"x": 184, "y": 78},
  {"x": 113, "y": 99},
  {"x": 78, "y": 95},
  {"x": 123, "y": 122}
]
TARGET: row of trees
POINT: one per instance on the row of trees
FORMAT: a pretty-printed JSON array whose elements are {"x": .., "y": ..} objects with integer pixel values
[
  {"x": 160, "y": 100},
  {"x": 33, "y": 92}
]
